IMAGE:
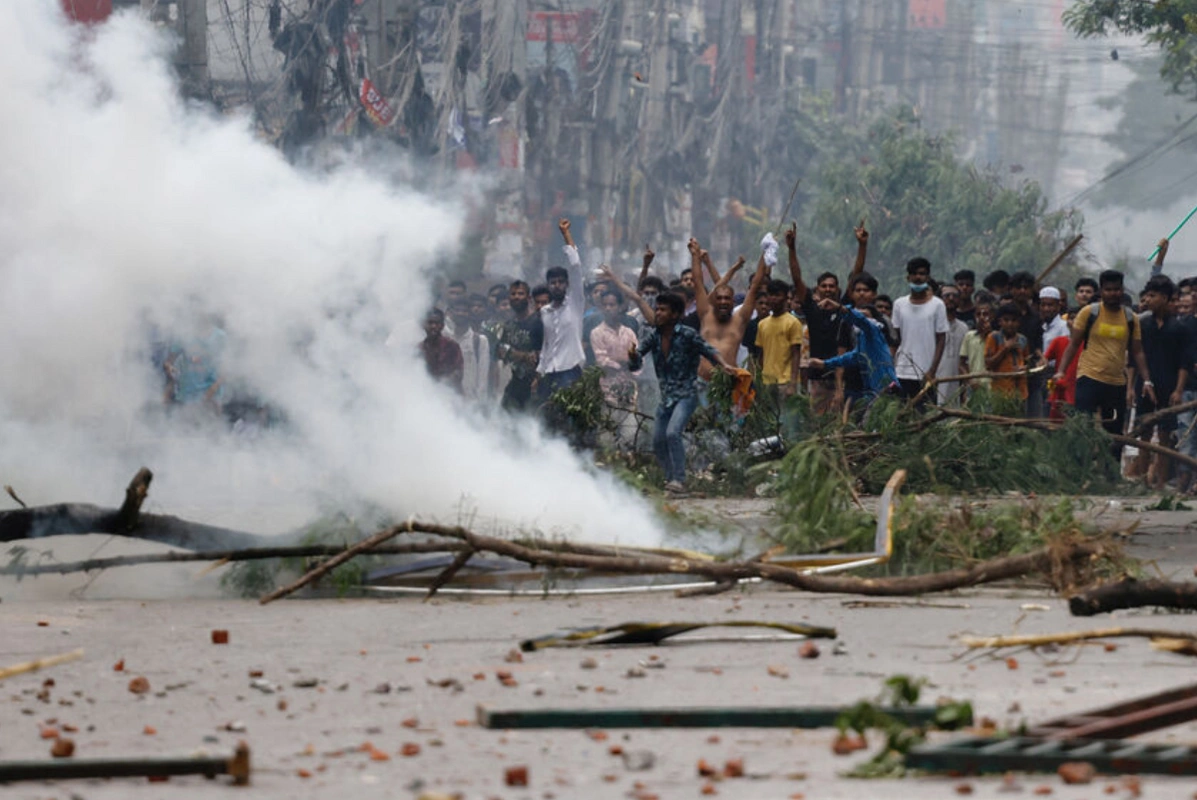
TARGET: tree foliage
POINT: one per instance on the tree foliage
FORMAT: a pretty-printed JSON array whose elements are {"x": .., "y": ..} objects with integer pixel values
[
  {"x": 918, "y": 197},
  {"x": 1169, "y": 25}
]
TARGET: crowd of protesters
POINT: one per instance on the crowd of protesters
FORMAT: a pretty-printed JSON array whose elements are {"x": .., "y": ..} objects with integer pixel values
[{"x": 1012, "y": 345}]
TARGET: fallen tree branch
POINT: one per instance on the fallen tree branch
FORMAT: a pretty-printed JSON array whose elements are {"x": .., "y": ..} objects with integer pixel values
[
  {"x": 246, "y": 554},
  {"x": 336, "y": 561},
  {"x": 1037, "y": 640},
  {"x": 1147, "y": 420},
  {"x": 1131, "y": 593},
  {"x": 1060, "y": 563}
]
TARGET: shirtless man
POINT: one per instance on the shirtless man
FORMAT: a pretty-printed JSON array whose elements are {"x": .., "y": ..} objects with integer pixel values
[{"x": 720, "y": 324}]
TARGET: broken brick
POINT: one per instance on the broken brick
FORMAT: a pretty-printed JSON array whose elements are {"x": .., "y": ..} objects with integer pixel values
[
  {"x": 62, "y": 748},
  {"x": 409, "y": 749},
  {"x": 709, "y": 788},
  {"x": 1012, "y": 663},
  {"x": 845, "y": 744},
  {"x": 49, "y": 732},
  {"x": 119, "y": 666},
  {"x": 220, "y": 637},
  {"x": 1074, "y": 772},
  {"x": 964, "y": 788},
  {"x": 808, "y": 650},
  {"x": 139, "y": 685},
  {"x": 706, "y": 770},
  {"x": 516, "y": 776},
  {"x": 734, "y": 768},
  {"x": 303, "y": 773},
  {"x": 1042, "y": 789},
  {"x": 149, "y": 730},
  {"x": 410, "y": 722}
]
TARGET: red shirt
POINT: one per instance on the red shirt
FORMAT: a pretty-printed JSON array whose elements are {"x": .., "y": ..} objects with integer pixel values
[{"x": 442, "y": 356}]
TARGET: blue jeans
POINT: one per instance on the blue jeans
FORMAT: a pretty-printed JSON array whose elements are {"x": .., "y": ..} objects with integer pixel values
[{"x": 667, "y": 436}]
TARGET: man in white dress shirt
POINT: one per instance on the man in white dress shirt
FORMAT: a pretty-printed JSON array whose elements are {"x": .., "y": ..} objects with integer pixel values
[{"x": 561, "y": 355}]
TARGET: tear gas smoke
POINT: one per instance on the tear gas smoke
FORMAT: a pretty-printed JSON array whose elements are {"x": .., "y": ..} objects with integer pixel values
[{"x": 127, "y": 215}]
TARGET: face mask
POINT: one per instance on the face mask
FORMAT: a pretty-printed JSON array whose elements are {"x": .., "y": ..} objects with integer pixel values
[{"x": 919, "y": 287}]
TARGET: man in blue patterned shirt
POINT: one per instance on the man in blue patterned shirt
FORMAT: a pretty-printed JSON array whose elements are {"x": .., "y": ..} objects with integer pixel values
[{"x": 676, "y": 351}]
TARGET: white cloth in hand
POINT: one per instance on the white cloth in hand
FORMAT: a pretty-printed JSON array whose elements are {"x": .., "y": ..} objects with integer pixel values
[{"x": 769, "y": 248}]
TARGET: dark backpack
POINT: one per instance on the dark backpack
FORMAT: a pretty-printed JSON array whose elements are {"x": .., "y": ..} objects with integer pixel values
[{"x": 1095, "y": 309}]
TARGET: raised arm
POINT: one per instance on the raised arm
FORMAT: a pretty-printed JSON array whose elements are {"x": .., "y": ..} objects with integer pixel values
[
  {"x": 754, "y": 288},
  {"x": 714, "y": 273},
  {"x": 1158, "y": 266},
  {"x": 577, "y": 284},
  {"x": 649, "y": 255},
  {"x": 862, "y": 250},
  {"x": 700, "y": 286},
  {"x": 608, "y": 275},
  {"x": 795, "y": 268},
  {"x": 727, "y": 276}
]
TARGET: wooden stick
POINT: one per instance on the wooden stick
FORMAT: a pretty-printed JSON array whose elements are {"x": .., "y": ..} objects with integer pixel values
[
  {"x": 135, "y": 494},
  {"x": 40, "y": 663},
  {"x": 13, "y": 494},
  {"x": 1035, "y": 640},
  {"x": 1147, "y": 420},
  {"x": 336, "y": 561},
  {"x": 782, "y": 220},
  {"x": 449, "y": 571},
  {"x": 1068, "y": 248}
]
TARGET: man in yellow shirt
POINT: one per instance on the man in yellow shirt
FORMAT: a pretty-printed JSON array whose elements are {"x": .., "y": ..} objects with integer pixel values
[
  {"x": 779, "y": 336},
  {"x": 1109, "y": 333}
]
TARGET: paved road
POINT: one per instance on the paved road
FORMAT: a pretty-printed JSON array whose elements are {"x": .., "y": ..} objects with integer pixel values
[{"x": 351, "y": 647}]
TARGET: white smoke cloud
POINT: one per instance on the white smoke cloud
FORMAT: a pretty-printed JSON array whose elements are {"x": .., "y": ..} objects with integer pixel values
[{"x": 122, "y": 206}]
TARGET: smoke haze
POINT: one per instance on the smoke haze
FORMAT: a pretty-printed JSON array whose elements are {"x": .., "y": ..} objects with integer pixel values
[{"x": 124, "y": 210}]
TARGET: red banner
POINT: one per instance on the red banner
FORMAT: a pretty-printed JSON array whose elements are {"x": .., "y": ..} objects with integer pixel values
[
  {"x": 87, "y": 10},
  {"x": 377, "y": 107}
]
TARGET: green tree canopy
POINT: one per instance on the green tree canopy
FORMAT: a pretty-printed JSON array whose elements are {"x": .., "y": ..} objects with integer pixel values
[
  {"x": 1170, "y": 25},
  {"x": 919, "y": 199}
]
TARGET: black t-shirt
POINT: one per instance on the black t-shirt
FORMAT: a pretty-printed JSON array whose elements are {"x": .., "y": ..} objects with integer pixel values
[
  {"x": 525, "y": 335},
  {"x": 828, "y": 331},
  {"x": 1167, "y": 348},
  {"x": 749, "y": 340},
  {"x": 969, "y": 317},
  {"x": 1031, "y": 326},
  {"x": 691, "y": 320},
  {"x": 1189, "y": 323}
]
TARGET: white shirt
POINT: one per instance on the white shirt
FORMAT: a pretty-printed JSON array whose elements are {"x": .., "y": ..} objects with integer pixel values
[
  {"x": 475, "y": 357},
  {"x": 949, "y": 365},
  {"x": 562, "y": 348},
  {"x": 1054, "y": 330},
  {"x": 918, "y": 323}
]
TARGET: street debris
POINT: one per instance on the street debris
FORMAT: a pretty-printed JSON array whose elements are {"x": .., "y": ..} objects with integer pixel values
[
  {"x": 64, "y": 767},
  {"x": 139, "y": 685},
  {"x": 689, "y": 717},
  {"x": 633, "y": 633},
  {"x": 1037, "y": 754},
  {"x": 1131, "y": 593},
  {"x": 220, "y": 637},
  {"x": 40, "y": 663},
  {"x": 1173, "y": 641}
]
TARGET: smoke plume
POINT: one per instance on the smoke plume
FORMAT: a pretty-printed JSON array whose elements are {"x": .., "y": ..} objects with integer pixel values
[{"x": 128, "y": 214}]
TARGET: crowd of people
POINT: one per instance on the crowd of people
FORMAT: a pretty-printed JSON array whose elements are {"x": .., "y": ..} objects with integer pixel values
[{"x": 1020, "y": 347}]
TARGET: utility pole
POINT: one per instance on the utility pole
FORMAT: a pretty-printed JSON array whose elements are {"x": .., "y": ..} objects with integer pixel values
[{"x": 192, "y": 58}]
